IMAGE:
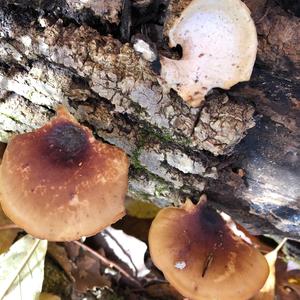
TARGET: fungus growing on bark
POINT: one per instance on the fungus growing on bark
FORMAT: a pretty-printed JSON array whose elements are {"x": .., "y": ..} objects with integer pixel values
[
  {"x": 201, "y": 257},
  {"x": 219, "y": 44},
  {"x": 59, "y": 183}
]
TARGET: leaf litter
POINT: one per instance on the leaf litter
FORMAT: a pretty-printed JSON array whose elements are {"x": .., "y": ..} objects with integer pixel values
[
  {"x": 22, "y": 269},
  {"x": 92, "y": 279},
  {"x": 7, "y": 236}
]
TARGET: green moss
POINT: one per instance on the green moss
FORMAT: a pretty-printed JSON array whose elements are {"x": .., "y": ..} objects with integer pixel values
[
  {"x": 149, "y": 133},
  {"x": 162, "y": 187},
  {"x": 4, "y": 136},
  {"x": 135, "y": 162},
  {"x": 141, "y": 196},
  {"x": 55, "y": 280}
]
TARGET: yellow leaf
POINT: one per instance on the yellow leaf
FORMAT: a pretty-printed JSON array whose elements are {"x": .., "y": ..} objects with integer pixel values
[
  {"x": 22, "y": 269},
  {"x": 268, "y": 290},
  {"x": 48, "y": 296},
  {"x": 6, "y": 236},
  {"x": 141, "y": 209}
]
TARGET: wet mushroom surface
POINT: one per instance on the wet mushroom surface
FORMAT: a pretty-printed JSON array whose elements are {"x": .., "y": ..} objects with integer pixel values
[
  {"x": 59, "y": 183},
  {"x": 201, "y": 257}
]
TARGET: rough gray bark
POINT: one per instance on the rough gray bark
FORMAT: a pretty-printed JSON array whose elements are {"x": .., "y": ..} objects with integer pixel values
[{"x": 175, "y": 151}]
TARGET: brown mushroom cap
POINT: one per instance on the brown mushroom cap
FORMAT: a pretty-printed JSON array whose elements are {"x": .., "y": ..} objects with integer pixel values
[
  {"x": 202, "y": 258},
  {"x": 59, "y": 183}
]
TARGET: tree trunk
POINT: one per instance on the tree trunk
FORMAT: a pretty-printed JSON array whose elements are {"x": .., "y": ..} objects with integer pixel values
[{"x": 241, "y": 148}]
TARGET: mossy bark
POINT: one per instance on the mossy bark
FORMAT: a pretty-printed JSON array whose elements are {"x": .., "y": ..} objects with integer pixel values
[{"x": 241, "y": 147}]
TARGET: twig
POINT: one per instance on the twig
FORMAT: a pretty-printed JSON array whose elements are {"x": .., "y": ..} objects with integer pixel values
[
  {"x": 9, "y": 226},
  {"x": 109, "y": 263},
  {"x": 103, "y": 259},
  {"x": 280, "y": 245},
  {"x": 266, "y": 12},
  {"x": 207, "y": 263}
]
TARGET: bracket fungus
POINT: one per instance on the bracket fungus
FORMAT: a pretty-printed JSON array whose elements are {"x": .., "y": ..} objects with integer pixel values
[
  {"x": 202, "y": 258},
  {"x": 59, "y": 183},
  {"x": 219, "y": 45}
]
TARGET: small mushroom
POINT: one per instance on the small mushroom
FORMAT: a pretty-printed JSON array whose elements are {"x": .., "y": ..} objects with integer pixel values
[
  {"x": 59, "y": 183},
  {"x": 202, "y": 258},
  {"x": 219, "y": 45}
]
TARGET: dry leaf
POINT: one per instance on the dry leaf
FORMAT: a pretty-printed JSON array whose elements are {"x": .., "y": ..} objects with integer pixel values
[
  {"x": 87, "y": 274},
  {"x": 6, "y": 236},
  {"x": 141, "y": 209},
  {"x": 128, "y": 249},
  {"x": 48, "y": 296},
  {"x": 85, "y": 270},
  {"x": 22, "y": 269},
  {"x": 268, "y": 290},
  {"x": 73, "y": 250},
  {"x": 59, "y": 254}
]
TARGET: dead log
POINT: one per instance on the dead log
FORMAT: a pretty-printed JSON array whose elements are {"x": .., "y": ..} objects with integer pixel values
[{"x": 241, "y": 147}]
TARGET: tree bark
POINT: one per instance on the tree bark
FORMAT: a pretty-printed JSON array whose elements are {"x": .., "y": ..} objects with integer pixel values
[{"x": 241, "y": 147}]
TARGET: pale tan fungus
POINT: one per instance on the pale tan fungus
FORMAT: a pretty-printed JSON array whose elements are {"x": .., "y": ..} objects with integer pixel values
[{"x": 219, "y": 45}]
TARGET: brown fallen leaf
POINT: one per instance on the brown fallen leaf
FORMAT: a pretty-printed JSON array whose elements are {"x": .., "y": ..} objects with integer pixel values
[
  {"x": 59, "y": 254},
  {"x": 87, "y": 274},
  {"x": 7, "y": 236},
  {"x": 267, "y": 292},
  {"x": 72, "y": 250}
]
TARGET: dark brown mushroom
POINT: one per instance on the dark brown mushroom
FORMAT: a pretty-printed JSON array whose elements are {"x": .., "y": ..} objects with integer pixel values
[
  {"x": 59, "y": 183},
  {"x": 202, "y": 258}
]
